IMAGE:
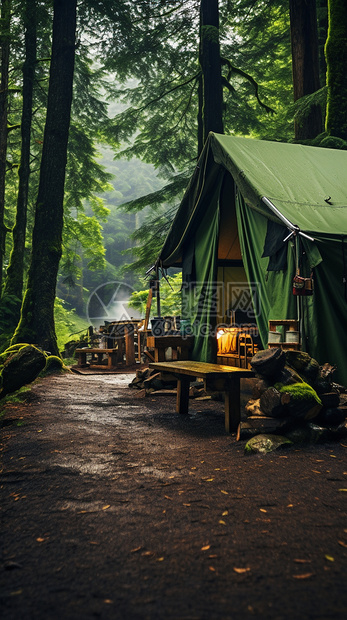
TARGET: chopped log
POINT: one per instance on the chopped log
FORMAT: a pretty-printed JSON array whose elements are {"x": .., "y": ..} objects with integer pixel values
[
  {"x": 270, "y": 403},
  {"x": 252, "y": 408},
  {"x": 304, "y": 364},
  {"x": 330, "y": 400},
  {"x": 327, "y": 371},
  {"x": 297, "y": 359},
  {"x": 259, "y": 388},
  {"x": 289, "y": 376},
  {"x": 154, "y": 382},
  {"x": 268, "y": 362}
]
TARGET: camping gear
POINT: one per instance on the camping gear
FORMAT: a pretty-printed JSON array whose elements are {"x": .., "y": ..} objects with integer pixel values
[{"x": 302, "y": 286}]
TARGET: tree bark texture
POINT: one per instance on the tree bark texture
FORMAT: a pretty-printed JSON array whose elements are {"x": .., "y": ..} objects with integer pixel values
[
  {"x": 336, "y": 57},
  {"x": 5, "y": 57},
  {"x": 37, "y": 316},
  {"x": 305, "y": 63},
  {"x": 210, "y": 61},
  {"x": 15, "y": 270}
]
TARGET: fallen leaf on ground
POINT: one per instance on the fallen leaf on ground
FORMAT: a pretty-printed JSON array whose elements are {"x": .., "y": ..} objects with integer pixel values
[
  {"x": 225, "y": 492},
  {"x": 205, "y": 548},
  {"x": 343, "y": 544},
  {"x": 226, "y": 512},
  {"x": 40, "y": 539},
  {"x": 343, "y": 490},
  {"x": 303, "y": 576},
  {"x": 222, "y": 522},
  {"x": 300, "y": 561},
  {"x": 136, "y": 549},
  {"x": 262, "y": 510},
  {"x": 105, "y": 507},
  {"x": 329, "y": 558},
  {"x": 211, "y": 568},
  {"x": 241, "y": 570}
]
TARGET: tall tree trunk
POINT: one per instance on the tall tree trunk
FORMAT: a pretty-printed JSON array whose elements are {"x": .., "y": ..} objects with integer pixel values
[
  {"x": 210, "y": 62},
  {"x": 5, "y": 58},
  {"x": 322, "y": 20},
  {"x": 15, "y": 271},
  {"x": 336, "y": 57},
  {"x": 37, "y": 316},
  {"x": 305, "y": 59}
]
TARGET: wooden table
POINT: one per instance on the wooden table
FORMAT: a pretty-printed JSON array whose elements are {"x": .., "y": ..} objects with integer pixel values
[{"x": 216, "y": 378}]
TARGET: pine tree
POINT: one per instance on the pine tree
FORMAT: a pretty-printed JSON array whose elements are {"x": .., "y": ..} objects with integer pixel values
[
  {"x": 15, "y": 271},
  {"x": 37, "y": 316}
]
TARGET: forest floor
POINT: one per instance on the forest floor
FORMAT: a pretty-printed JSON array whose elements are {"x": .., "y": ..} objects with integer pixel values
[{"x": 115, "y": 507}]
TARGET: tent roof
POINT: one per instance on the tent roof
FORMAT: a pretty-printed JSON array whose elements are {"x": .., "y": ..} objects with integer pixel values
[{"x": 308, "y": 185}]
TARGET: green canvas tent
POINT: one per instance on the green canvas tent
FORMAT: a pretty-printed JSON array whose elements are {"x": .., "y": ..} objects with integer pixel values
[{"x": 255, "y": 212}]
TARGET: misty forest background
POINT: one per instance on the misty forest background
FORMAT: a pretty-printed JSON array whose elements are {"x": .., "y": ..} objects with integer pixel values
[{"x": 104, "y": 109}]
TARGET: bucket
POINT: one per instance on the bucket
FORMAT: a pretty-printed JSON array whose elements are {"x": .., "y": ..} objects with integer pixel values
[
  {"x": 293, "y": 337},
  {"x": 275, "y": 337}
]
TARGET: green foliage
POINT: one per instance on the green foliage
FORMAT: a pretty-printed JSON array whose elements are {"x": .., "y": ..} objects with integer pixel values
[
  {"x": 67, "y": 323},
  {"x": 301, "y": 391},
  {"x": 170, "y": 297}
]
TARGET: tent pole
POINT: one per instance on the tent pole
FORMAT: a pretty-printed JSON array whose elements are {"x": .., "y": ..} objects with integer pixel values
[
  {"x": 157, "y": 292},
  {"x": 298, "y": 299},
  {"x": 283, "y": 219}
]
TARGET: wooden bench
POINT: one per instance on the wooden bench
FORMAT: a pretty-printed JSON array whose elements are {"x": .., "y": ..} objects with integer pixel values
[
  {"x": 112, "y": 357},
  {"x": 216, "y": 378}
]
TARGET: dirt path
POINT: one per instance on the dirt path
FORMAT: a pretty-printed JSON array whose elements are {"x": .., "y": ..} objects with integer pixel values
[{"x": 114, "y": 507}]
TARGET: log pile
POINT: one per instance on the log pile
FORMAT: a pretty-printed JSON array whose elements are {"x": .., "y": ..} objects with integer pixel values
[
  {"x": 152, "y": 381},
  {"x": 294, "y": 389}
]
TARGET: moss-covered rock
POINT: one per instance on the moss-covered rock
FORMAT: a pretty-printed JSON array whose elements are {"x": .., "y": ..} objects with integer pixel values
[
  {"x": 266, "y": 443},
  {"x": 21, "y": 368},
  {"x": 53, "y": 364},
  {"x": 302, "y": 402}
]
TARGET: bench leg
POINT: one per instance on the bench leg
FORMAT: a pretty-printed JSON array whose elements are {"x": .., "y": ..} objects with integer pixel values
[
  {"x": 182, "y": 402},
  {"x": 232, "y": 405},
  {"x": 82, "y": 359}
]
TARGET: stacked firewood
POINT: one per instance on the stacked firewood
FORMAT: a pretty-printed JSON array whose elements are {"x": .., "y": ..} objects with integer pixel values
[{"x": 292, "y": 385}]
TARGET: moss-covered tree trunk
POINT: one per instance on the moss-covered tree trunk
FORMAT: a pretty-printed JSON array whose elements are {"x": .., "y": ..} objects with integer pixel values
[
  {"x": 36, "y": 324},
  {"x": 305, "y": 62},
  {"x": 4, "y": 66},
  {"x": 336, "y": 58},
  {"x": 15, "y": 270},
  {"x": 210, "y": 62}
]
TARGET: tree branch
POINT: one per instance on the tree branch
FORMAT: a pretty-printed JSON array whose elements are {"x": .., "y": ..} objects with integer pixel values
[{"x": 233, "y": 69}]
